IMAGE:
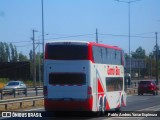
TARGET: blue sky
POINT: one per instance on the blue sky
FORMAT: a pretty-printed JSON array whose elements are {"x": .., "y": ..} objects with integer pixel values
[{"x": 64, "y": 19}]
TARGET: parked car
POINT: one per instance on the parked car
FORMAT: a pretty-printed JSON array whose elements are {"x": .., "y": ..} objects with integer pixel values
[
  {"x": 14, "y": 85},
  {"x": 147, "y": 86}
]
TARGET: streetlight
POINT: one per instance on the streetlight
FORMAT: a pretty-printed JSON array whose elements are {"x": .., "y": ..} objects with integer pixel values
[
  {"x": 42, "y": 35},
  {"x": 129, "y": 28},
  {"x": 42, "y": 27}
]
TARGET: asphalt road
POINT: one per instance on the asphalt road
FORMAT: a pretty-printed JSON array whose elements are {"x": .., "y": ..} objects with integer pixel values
[{"x": 134, "y": 103}]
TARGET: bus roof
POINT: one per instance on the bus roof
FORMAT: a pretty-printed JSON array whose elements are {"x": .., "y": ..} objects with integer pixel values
[
  {"x": 105, "y": 45},
  {"x": 62, "y": 41},
  {"x": 84, "y": 42}
]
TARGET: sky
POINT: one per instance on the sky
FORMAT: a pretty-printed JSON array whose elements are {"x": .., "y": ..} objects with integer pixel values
[{"x": 78, "y": 20}]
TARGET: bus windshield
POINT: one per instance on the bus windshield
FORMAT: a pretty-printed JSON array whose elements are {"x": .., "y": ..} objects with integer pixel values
[{"x": 67, "y": 52}]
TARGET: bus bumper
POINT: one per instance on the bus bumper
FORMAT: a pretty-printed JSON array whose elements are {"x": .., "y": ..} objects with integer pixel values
[{"x": 70, "y": 105}]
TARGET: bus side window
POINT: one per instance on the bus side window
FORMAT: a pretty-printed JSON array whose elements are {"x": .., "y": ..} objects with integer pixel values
[
  {"x": 114, "y": 84},
  {"x": 97, "y": 54}
]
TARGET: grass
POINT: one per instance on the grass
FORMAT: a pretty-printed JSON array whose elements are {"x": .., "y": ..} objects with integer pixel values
[{"x": 30, "y": 83}]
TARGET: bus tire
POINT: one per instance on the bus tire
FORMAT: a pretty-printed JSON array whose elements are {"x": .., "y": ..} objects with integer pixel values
[
  {"x": 118, "y": 109},
  {"x": 101, "y": 111},
  {"x": 154, "y": 92}
]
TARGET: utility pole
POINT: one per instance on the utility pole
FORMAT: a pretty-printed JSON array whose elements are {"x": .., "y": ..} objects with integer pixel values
[
  {"x": 157, "y": 50},
  {"x": 129, "y": 38},
  {"x": 96, "y": 35},
  {"x": 34, "y": 60}
]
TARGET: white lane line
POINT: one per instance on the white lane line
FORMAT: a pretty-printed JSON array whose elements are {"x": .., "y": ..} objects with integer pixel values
[
  {"x": 153, "y": 108},
  {"x": 35, "y": 109}
]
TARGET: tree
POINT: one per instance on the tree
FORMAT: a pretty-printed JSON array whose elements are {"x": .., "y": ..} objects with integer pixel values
[
  {"x": 7, "y": 54},
  {"x": 31, "y": 55},
  {"x": 139, "y": 53},
  {"x": 22, "y": 57},
  {"x": 126, "y": 56},
  {"x": 14, "y": 54},
  {"x": 154, "y": 52},
  {"x": 2, "y": 52}
]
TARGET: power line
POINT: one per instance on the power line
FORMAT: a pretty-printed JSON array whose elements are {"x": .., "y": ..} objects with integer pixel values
[
  {"x": 71, "y": 36},
  {"x": 82, "y": 35},
  {"x": 145, "y": 33},
  {"x": 20, "y": 41},
  {"x": 127, "y": 1},
  {"x": 120, "y": 35}
]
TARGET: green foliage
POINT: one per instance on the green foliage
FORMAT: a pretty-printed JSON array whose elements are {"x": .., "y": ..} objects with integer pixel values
[
  {"x": 150, "y": 60},
  {"x": 139, "y": 53},
  {"x": 22, "y": 57},
  {"x": 126, "y": 56},
  {"x": 4, "y": 80},
  {"x": 8, "y": 53},
  {"x": 3, "y": 56}
]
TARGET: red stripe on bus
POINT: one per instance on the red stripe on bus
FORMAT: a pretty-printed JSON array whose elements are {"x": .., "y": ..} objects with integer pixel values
[
  {"x": 100, "y": 88},
  {"x": 105, "y": 46},
  {"x": 90, "y": 54},
  {"x": 55, "y": 105},
  {"x": 107, "y": 105}
]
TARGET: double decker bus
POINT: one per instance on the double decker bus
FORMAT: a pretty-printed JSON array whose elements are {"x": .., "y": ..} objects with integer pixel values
[{"x": 83, "y": 76}]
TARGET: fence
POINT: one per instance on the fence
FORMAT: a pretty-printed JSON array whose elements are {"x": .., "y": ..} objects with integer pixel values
[
  {"x": 18, "y": 91},
  {"x": 19, "y": 103}
]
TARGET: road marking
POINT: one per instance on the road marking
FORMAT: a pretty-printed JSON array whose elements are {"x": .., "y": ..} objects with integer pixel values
[
  {"x": 153, "y": 108},
  {"x": 144, "y": 99},
  {"x": 35, "y": 109}
]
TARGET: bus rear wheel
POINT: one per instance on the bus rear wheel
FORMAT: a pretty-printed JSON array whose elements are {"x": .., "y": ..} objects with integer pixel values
[
  {"x": 118, "y": 109},
  {"x": 102, "y": 110}
]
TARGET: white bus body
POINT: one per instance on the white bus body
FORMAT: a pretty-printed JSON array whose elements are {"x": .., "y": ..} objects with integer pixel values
[{"x": 81, "y": 83}]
